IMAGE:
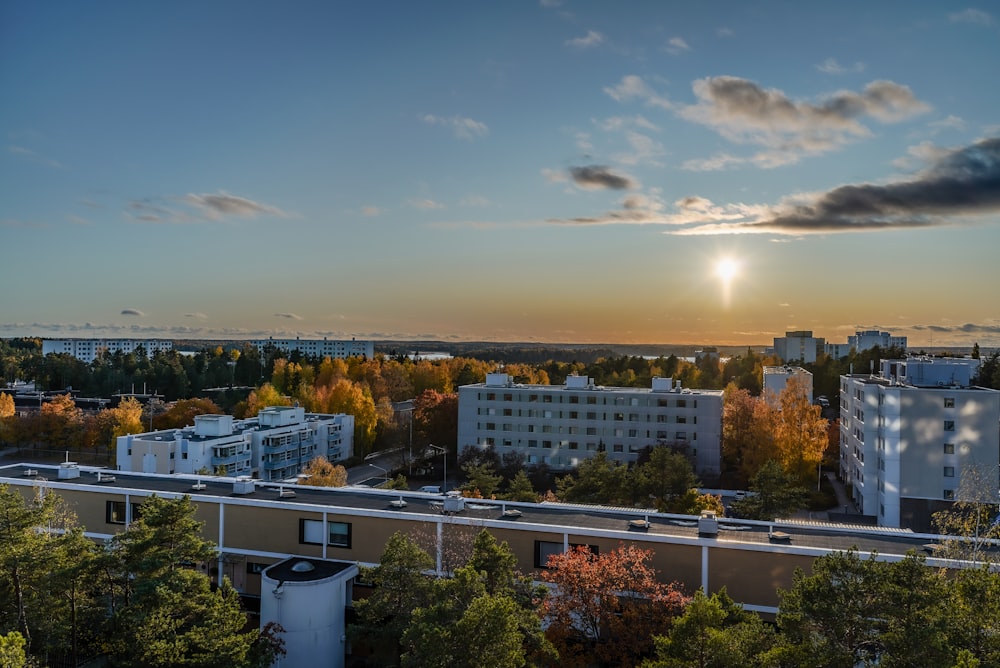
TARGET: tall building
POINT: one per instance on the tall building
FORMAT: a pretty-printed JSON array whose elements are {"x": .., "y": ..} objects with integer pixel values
[
  {"x": 775, "y": 379},
  {"x": 561, "y": 425},
  {"x": 324, "y": 347},
  {"x": 868, "y": 339},
  {"x": 798, "y": 346},
  {"x": 913, "y": 435},
  {"x": 275, "y": 445},
  {"x": 87, "y": 350}
]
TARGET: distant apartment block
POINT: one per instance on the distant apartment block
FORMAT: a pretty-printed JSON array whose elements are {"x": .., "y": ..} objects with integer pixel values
[
  {"x": 911, "y": 435},
  {"x": 87, "y": 350},
  {"x": 798, "y": 346},
  {"x": 275, "y": 445},
  {"x": 324, "y": 347},
  {"x": 776, "y": 379},
  {"x": 562, "y": 425}
]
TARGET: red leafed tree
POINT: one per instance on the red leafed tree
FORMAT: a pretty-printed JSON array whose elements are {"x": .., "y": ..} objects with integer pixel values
[
  {"x": 435, "y": 419},
  {"x": 607, "y": 606}
]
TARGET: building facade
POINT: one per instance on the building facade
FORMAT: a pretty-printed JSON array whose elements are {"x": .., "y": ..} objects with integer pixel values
[
  {"x": 775, "y": 379},
  {"x": 913, "y": 435},
  {"x": 868, "y": 339},
  {"x": 275, "y": 445},
  {"x": 798, "y": 346},
  {"x": 320, "y": 348},
  {"x": 561, "y": 425},
  {"x": 87, "y": 350}
]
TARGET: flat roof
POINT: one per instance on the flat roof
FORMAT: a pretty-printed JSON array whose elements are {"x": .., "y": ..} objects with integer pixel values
[{"x": 552, "y": 517}]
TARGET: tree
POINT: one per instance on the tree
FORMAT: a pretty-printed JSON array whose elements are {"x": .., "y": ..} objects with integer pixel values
[
  {"x": 776, "y": 494},
  {"x": 482, "y": 479},
  {"x": 6, "y": 405},
  {"x": 347, "y": 397},
  {"x": 12, "y": 650},
  {"x": 435, "y": 419},
  {"x": 973, "y": 614},
  {"x": 607, "y": 606},
  {"x": 972, "y": 518},
  {"x": 596, "y": 480},
  {"x": 801, "y": 436},
  {"x": 521, "y": 489},
  {"x": 264, "y": 396},
  {"x": 321, "y": 473},
  {"x": 183, "y": 412},
  {"x": 666, "y": 476}
]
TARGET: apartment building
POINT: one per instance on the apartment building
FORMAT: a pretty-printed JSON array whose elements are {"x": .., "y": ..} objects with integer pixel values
[
  {"x": 775, "y": 379},
  {"x": 798, "y": 346},
  {"x": 911, "y": 436},
  {"x": 87, "y": 350},
  {"x": 561, "y": 425},
  {"x": 320, "y": 348},
  {"x": 868, "y": 339},
  {"x": 274, "y": 446}
]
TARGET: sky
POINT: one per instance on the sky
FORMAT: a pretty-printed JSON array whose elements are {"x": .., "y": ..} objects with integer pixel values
[{"x": 554, "y": 171}]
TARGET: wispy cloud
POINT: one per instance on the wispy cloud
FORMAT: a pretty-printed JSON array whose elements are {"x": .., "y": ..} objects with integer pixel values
[
  {"x": 195, "y": 208},
  {"x": 196, "y": 315},
  {"x": 676, "y": 46},
  {"x": 590, "y": 40},
  {"x": 35, "y": 157},
  {"x": 370, "y": 211},
  {"x": 976, "y": 16},
  {"x": 950, "y": 122},
  {"x": 475, "y": 200},
  {"x": 463, "y": 128},
  {"x": 633, "y": 87},
  {"x": 600, "y": 177},
  {"x": 425, "y": 204},
  {"x": 831, "y": 66},
  {"x": 132, "y": 311},
  {"x": 289, "y": 316}
]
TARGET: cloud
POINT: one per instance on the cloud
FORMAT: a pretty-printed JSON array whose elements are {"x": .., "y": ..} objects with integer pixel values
[
  {"x": 831, "y": 66},
  {"x": 600, "y": 177},
  {"x": 633, "y": 87},
  {"x": 620, "y": 123},
  {"x": 966, "y": 328},
  {"x": 950, "y": 122},
  {"x": 370, "y": 211},
  {"x": 644, "y": 150},
  {"x": 193, "y": 208},
  {"x": 745, "y": 113},
  {"x": 34, "y": 156},
  {"x": 591, "y": 39},
  {"x": 425, "y": 204},
  {"x": 132, "y": 311},
  {"x": 714, "y": 163},
  {"x": 975, "y": 16},
  {"x": 963, "y": 182},
  {"x": 676, "y": 46},
  {"x": 920, "y": 155},
  {"x": 724, "y": 32},
  {"x": 475, "y": 200},
  {"x": 462, "y": 127},
  {"x": 196, "y": 316},
  {"x": 649, "y": 209},
  {"x": 290, "y": 316},
  {"x": 216, "y": 206}
]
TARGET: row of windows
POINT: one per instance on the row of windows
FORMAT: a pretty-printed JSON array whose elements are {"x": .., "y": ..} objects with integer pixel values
[
  {"x": 115, "y": 512},
  {"x": 337, "y": 534},
  {"x": 589, "y": 399}
]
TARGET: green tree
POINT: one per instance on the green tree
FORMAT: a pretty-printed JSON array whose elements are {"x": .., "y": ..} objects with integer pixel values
[
  {"x": 481, "y": 478},
  {"x": 13, "y": 650},
  {"x": 666, "y": 476},
  {"x": 775, "y": 494},
  {"x": 596, "y": 480},
  {"x": 973, "y": 614},
  {"x": 521, "y": 489}
]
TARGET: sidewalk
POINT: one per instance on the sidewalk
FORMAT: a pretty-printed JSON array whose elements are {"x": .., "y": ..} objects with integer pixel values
[{"x": 844, "y": 503}]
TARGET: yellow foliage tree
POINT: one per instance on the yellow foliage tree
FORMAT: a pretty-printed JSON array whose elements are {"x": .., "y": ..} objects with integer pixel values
[
  {"x": 6, "y": 405},
  {"x": 127, "y": 417},
  {"x": 264, "y": 396},
  {"x": 801, "y": 432},
  {"x": 347, "y": 397},
  {"x": 321, "y": 473}
]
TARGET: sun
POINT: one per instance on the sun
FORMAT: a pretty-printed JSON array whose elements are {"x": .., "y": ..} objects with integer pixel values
[{"x": 726, "y": 269}]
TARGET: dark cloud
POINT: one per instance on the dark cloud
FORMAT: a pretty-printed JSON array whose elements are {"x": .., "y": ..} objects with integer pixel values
[
  {"x": 963, "y": 182},
  {"x": 223, "y": 204},
  {"x": 290, "y": 316},
  {"x": 600, "y": 177},
  {"x": 967, "y": 328},
  {"x": 132, "y": 311}
]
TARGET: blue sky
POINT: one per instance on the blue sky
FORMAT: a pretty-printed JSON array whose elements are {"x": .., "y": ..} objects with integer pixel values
[{"x": 517, "y": 171}]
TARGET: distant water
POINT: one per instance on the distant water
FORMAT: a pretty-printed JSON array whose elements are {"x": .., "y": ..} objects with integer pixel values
[{"x": 430, "y": 356}]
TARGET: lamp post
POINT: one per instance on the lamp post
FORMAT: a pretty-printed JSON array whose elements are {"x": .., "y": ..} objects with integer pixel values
[
  {"x": 373, "y": 455},
  {"x": 443, "y": 451}
]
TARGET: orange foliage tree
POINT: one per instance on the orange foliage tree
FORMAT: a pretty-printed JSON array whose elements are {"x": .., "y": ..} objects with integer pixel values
[
  {"x": 321, "y": 473},
  {"x": 607, "y": 606},
  {"x": 182, "y": 413}
]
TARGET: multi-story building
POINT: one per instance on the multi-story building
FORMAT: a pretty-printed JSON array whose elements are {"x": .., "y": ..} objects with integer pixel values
[
  {"x": 798, "y": 346},
  {"x": 320, "y": 347},
  {"x": 913, "y": 435},
  {"x": 776, "y": 379},
  {"x": 275, "y": 445},
  {"x": 561, "y": 425},
  {"x": 868, "y": 339},
  {"x": 87, "y": 350}
]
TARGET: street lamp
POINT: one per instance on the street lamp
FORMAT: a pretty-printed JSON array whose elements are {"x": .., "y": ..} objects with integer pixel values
[
  {"x": 383, "y": 470},
  {"x": 443, "y": 451}
]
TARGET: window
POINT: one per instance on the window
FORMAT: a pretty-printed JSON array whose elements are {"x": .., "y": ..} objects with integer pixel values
[
  {"x": 508, "y": 397},
  {"x": 508, "y": 412},
  {"x": 255, "y": 568},
  {"x": 681, "y": 403},
  {"x": 338, "y": 533},
  {"x": 949, "y": 425},
  {"x": 949, "y": 402},
  {"x": 949, "y": 448},
  {"x": 574, "y": 399},
  {"x": 949, "y": 471},
  {"x": 545, "y": 549},
  {"x": 115, "y": 512},
  {"x": 618, "y": 447},
  {"x": 949, "y": 494},
  {"x": 491, "y": 396}
]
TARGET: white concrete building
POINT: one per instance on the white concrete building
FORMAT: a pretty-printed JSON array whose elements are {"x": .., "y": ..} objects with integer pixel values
[
  {"x": 320, "y": 347},
  {"x": 776, "y": 379},
  {"x": 275, "y": 445},
  {"x": 561, "y": 425},
  {"x": 799, "y": 346},
  {"x": 87, "y": 350},
  {"x": 909, "y": 435},
  {"x": 868, "y": 339}
]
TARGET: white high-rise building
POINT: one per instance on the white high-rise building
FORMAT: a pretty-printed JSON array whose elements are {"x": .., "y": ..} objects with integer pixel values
[
  {"x": 320, "y": 348},
  {"x": 275, "y": 445},
  {"x": 910, "y": 435},
  {"x": 87, "y": 350},
  {"x": 868, "y": 339},
  {"x": 777, "y": 377},
  {"x": 561, "y": 425},
  {"x": 799, "y": 346}
]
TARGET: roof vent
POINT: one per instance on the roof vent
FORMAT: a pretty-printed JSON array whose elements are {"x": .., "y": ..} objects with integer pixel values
[
  {"x": 243, "y": 485},
  {"x": 303, "y": 567}
]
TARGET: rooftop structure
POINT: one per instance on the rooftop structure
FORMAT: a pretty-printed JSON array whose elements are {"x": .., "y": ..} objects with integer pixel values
[{"x": 561, "y": 425}]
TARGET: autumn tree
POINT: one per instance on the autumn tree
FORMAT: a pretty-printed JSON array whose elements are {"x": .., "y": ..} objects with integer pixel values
[
  {"x": 264, "y": 396},
  {"x": 347, "y": 397},
  {"x": 748, "y": 429},
  {"x": 435, "y": 419},
  {"x": 801, "y": 432},
  {"x": 321, "y": 473},
  {"x": 607, "y": 606},
  {"x": 183, "y": 412}
]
